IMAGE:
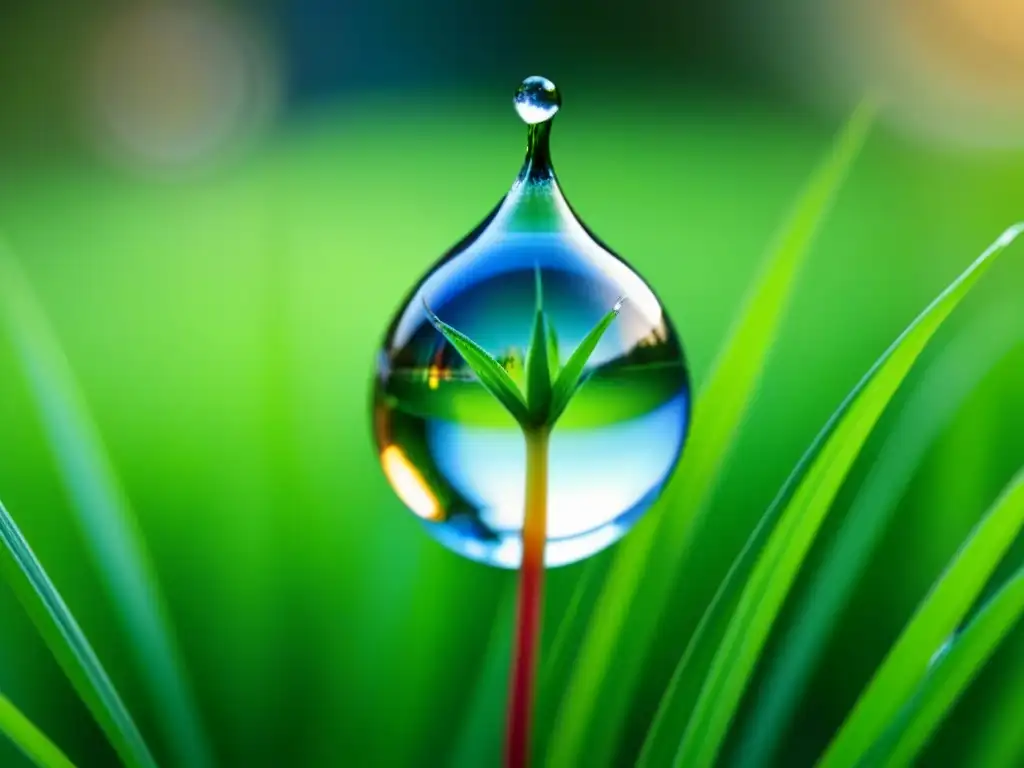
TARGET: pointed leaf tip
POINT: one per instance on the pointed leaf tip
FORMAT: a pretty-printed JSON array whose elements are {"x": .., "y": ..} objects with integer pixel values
[
  {"x": 570, "y": 378},
  {"x": 538, "y": 369}
]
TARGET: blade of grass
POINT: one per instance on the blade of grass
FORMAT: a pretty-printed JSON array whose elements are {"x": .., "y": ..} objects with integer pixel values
[
  {"x": 552, "y": 348},
  {"x": 664, "y": 536},
  {"x": 37, "y": 594},
  {"x": 480, "y": 733},
  {"x": 953, "y": 672},
  {"x": 676, "y": 706},
  {"x": 789, "y": 542},
  {"x": 942, "y": 391},
  {"x": 29, "y": 739},
  {"x": 569, "y": 379},
  {"x": 938, "y": 616},
  {"x": 104, "y": 516},
  {"x": 538, "y": 371},
  {"x": 488, "y": 370},
  {"x": 1000, "y": 738}
]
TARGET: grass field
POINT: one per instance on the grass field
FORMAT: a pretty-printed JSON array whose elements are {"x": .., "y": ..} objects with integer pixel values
[{"x": 222, "y": 330}]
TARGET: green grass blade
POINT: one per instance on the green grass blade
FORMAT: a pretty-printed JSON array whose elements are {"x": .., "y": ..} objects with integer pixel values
[
  {"x": 569, "y": 377},
  {"x": 941, "y": 612},
  {"x": 22, "y": 570},
  {"x": 789, "y": 542},
  {"x": 946, "y": 385},
  {"x": 552, "y": 348},
  {"x": 492, "y": 375},
  {"x": 538, "y": 374},
  {"x": 104, "y": 515},
  {"x": 666, "y": 533},
  {"x": 481, "y": 730},
  {"x": 1000, "y": 739},
  {"x": 29, "y": 739},
  {"x": 953, "y": 672}
]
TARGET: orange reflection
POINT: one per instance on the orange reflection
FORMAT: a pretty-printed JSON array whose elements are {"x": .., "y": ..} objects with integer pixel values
[{"x": 409, "y": 484}]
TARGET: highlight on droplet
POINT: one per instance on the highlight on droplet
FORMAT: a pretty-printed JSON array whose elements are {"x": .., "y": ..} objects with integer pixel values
[{"x": 409, "y": 484}]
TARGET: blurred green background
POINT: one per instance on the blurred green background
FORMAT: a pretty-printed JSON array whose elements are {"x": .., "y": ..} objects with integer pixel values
[{"x": 220, "y": 206}]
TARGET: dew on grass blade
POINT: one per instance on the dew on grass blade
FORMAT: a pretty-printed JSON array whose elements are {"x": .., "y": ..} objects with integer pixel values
[
  {"x": 451, "y": 442},
  {"x": 942, "y": 650}
]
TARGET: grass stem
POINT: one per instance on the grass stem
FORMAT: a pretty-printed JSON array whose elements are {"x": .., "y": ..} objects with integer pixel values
[{"x": 531, "y": 581}]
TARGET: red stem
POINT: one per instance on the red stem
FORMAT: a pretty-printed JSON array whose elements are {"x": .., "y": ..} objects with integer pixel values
[{"x": 531, "y": 583}]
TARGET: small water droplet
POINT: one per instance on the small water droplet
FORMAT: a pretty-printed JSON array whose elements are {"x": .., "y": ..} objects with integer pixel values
[
  {"x": 537, "y": 100},
  {"x": 942, "y": 650},
  {"x": 453, "y": 453}
]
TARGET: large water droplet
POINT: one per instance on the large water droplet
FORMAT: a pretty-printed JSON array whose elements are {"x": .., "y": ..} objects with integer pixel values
[{"x": 454, "y": 454}]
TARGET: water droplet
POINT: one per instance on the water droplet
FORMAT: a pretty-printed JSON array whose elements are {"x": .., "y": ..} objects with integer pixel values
[
  {"x": 943, "y": 649},
  {"x": 537, "y": 100},
  {"x": 454, "y": 453}
]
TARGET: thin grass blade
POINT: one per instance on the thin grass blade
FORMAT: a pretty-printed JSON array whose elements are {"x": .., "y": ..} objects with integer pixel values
[
  {"x": 666, "y": 533},
  {"x": 938, "y": 616},
  {"x": 943, "y": 389},
  {"x": 104, "y": 515},
  {"x": 1000, "y": 739},
  {"x": 569, "y": 377},
  {"x": 788, "y": 544},
  {"x": 538, "y": 374},
  {"x": 492, "y": 375},
  {"x": 29, "y": 739},
  {"x": 25, "y": 574},
  {"x": 952, "y": 673},
  {"x": 481, "y": 730}
]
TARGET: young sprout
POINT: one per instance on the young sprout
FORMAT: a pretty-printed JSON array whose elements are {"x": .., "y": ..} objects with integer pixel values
[{"x": 522, "y": 335}]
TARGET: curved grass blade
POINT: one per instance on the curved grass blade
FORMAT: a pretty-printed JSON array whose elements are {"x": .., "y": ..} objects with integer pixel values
[
  {"x": 29, "y": 739},
  {"x": 666, "y": 533},
  {"x": 569, "y": 378},
  {"x": 943, "y": 389},
  {"x": 481, "y": 729},
  {"x": 1000, "y": 739},
  {"x": 938, "y": 616},
  {"x": 490, "y": 372},
  {"x": 787, "y": 546},
  {"x": 953, "y": 672},
  {"x": 897, "y": 459},
  {"x": 103, "y": 513},
  {"x": 65, "y": 639}
]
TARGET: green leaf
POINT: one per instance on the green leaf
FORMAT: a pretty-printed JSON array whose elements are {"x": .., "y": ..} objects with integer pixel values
[
  {"x": 494, "y": 378},
  {"x": 787, "y": 546},
  {"x": 999, "y": 739},
  {"x": 667, "y": 531},
  {"x": 952, "y": 672},
  {"x": 65, "y": 639},
  {"x": 29, "y": 739},
  {"x": 465, "y": 401},
  {"x": 538, "y": 375},
  {"x": 552, "y": 348},
  {"x": 103, "y": 513},
  {"x": 479, "y": 737},
  {"x": 938, "y": 616},
  {"x": 945, "y": 386},
  {"x": 569, "y": 379}
]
